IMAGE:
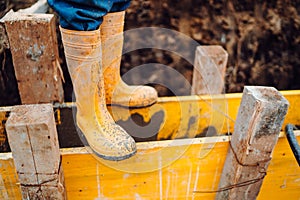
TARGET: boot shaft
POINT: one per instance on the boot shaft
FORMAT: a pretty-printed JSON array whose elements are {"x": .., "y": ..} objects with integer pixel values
[
  {"x": 83, "y": 55},
  {"x": 83, "y": 52},
  {"x": 113, "y": 24}
]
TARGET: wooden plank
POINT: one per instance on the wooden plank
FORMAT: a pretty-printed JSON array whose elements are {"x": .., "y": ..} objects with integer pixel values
[
  {"x": 164, "y": 118},
  {"x": 33, "y": 140},
  {"x": 2, "y": 129},
  {"x": 172, "y": 117},
  {"x": 4, "y": 113},
  {"x": 9, "y": 185},
  {"x": 33, "y": 44},
  {"x": 8, "y": 82},
  {"x": 209, "y": 72},
  {"x": 41, "y": 6},
  {"x": 186, "y": 178},
  {"x": 256, "y": 130}
]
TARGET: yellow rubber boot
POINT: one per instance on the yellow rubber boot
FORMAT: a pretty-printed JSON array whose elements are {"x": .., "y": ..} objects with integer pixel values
[
  {"x": 118, "y": 92},
  {"x": 83, "y": 55}
]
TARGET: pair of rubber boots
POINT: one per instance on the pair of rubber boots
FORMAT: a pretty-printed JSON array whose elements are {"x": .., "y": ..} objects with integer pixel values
[{"x": 93, "y": 59}]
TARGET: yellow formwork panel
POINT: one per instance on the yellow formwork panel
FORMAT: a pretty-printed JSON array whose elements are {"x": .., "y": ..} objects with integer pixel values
[
  {"x": 189, "y": 177},
  {"x": 190, "y": 116},
  {"x": 2, "y": 134},
  {"x": 190, "y": 170},
  {"x": 9, "y": 187},
  {"x": 185, "y": 116}
]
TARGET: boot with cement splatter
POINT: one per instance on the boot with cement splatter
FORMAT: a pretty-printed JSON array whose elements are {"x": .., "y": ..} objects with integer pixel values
[
  {"x": 118, "y": 92},
  {"x": 104, "y": 137}
]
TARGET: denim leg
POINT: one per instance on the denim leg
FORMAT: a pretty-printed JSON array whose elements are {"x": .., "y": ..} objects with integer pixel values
[
  {"x": 85, "y": 15},
  {"x": 81, "y": 15}
]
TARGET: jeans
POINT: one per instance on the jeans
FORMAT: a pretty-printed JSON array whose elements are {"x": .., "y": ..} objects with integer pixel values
[{"x": 85, "y": 15}]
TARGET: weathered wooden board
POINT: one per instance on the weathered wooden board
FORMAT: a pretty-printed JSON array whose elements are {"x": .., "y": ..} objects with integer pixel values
[
  {"x": 209, "y": 72},
  {"x": 32, "y": 135},
  {"x": 33, "y": 45},
  {"x": 255, "y": 135},
  {"x": 189, "y": 177},
  {"x": 41, "y": 6},
  {"x": 210, "y": 111},
  {"x": 180, "y": 117},
  {"x": 8, "y": 83},
  {"x": 4, "y": 113}
]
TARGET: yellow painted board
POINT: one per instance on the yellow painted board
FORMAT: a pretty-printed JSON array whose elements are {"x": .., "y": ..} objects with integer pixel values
[
  {"x": 88, "y": 178},
  {"x": 9, "y": 188},
  {"x": 189, "y": 116},
  {"x": 184, "y": 116}
]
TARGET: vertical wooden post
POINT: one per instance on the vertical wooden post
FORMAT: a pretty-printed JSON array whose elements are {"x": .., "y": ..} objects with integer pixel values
[
  {"x": 260, "y": 117},
  {"x": 33, "y": 140},
  {"x": 209, "y": 70},
  {"x": 33, "y": 44}
]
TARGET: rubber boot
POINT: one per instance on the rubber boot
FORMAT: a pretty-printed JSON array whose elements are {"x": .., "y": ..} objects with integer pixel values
[
  {"x": 104, "y": 137},
  {"x": 118, "y": 92}
]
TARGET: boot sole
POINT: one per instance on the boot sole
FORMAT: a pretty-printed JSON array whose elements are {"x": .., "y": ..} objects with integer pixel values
[{"x": 111, "y": 158}]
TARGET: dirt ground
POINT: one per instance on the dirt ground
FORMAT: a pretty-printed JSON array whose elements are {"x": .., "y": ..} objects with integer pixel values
[{"x": 261, "y": 37}]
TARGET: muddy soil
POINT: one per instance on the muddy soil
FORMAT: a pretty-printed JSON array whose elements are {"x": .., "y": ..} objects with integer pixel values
[{"x": 261, "y": 37}]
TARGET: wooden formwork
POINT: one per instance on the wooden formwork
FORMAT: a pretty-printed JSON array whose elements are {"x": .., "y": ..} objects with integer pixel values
[
  {"x": 154, "y": 118},
  {"x": 190, "y": 176},
  {"x": 187, "y": 178},
  {"x": 185, "y": 141}
]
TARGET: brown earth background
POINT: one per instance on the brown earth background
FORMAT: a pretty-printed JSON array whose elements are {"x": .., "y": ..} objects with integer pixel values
[{"x": 262, "y": 39}]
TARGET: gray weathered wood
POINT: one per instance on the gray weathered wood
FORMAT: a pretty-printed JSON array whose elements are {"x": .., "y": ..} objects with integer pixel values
[
  {"x": 33, "y": 44},
  {"x": 260, "y": 117},
  {"x": 41, "y": 6},
  {"x": 32, "y": 136},
  {"x": 209, "y": 70}
]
